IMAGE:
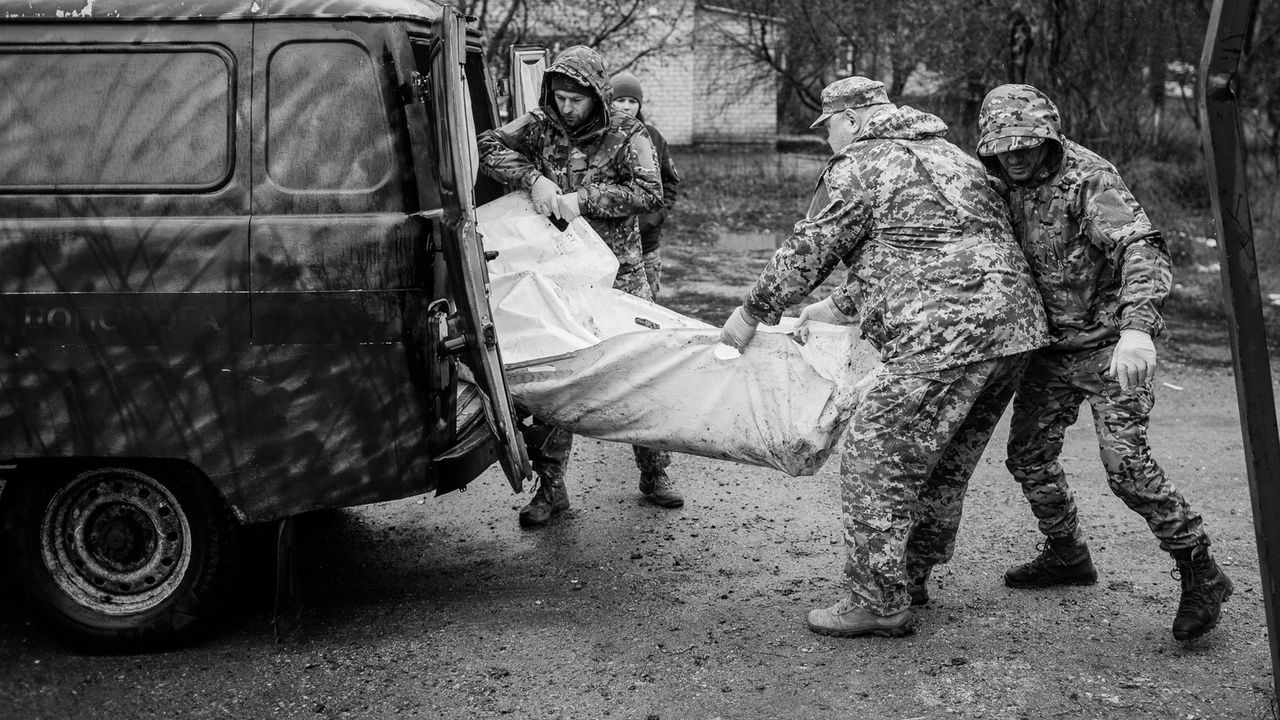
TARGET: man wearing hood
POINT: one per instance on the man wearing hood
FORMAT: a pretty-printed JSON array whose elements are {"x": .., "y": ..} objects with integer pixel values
[
  {"x": 1104, "y": 274},
  {"x": 943, "y": 292},
  {"x": 577, "y": 157}
]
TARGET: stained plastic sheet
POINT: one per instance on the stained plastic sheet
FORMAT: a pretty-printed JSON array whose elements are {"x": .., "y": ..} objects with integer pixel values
[{"x": 578, "y": 358}]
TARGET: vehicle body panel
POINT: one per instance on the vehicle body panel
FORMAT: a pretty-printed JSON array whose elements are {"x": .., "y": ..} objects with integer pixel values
[{"x": 275, "y": 313}]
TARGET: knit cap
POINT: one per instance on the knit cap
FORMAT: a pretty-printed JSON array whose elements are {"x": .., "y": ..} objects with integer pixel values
[{"x": 627, "y": 85}]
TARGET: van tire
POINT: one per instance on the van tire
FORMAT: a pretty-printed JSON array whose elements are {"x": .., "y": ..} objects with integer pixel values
[{"x": 121, "y": 558}]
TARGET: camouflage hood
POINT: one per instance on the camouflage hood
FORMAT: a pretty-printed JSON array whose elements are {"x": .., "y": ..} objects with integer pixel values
[
  {"x": 904, "y": 123},
  {"x": 585, "y": 67},
  {"x": 1014, "y": 117}
]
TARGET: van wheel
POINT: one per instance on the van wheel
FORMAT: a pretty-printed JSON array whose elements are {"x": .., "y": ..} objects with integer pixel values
[{"x": 121, "y": 559}]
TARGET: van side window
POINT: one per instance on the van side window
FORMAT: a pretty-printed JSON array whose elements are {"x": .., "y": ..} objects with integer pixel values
[
  {"x": 327, "y": 129},
  {"x": 118, "y": 119}
]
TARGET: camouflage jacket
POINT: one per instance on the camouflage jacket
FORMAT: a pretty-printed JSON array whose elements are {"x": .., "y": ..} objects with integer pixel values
[
  {"x": 1099, "y": 264},
  {"x": 610, "y": 161},
  {"x": 650, "y": 222},
  {"x": 934, "y": 277}
]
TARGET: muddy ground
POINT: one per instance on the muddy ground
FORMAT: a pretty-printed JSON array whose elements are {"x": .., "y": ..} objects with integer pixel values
[{"x": 442, "y": 607}]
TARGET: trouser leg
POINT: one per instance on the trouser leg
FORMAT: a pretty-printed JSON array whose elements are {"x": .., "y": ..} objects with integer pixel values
[
  {"x": 1045, "y": 405},
  {"x": 933, "y": 540},
  {"x": 1121, "y": 419},
  {"x": 898, "y": 435}
]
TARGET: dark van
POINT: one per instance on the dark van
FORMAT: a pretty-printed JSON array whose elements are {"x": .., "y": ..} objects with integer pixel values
[{"x": 241, "y": 281}]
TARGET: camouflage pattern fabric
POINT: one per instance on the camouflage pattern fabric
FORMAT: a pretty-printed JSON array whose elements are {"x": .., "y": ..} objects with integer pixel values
[
  {"x": 911, "y": 448},
  {"x": 1101, "y": 268},
  {"x": 651, "y": 223},
  {"x": 653, "y": 270},
  {"x": 1047, "y": 403},
  {"x": 935, "y": 276},
  {"x": 550, "y": 447},
  {"x": 1098, "y": 263},
  {"x": 610, "y": 161}
]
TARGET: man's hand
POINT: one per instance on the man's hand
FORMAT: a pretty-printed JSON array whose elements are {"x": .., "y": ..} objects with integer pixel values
[
  {"x": 824, "y": 311},
  {"x": 567, "y": 207},
  {"x": 1133, "y": 362},
  {"x": 544, "y": 194},
  {"x": 739, "y": 329}
]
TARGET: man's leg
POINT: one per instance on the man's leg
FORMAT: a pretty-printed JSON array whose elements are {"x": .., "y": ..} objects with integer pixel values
[
  {"x": 1121, "y": 419},
  {"x": 1047, "y": 402},
  {"x": 895, "y": 439},
  {"x": 549, "y": 449},
  {"x": 653, "y": 270},
  {"x": 653, "y": 477},
  {"x": 932, "y": 540}
]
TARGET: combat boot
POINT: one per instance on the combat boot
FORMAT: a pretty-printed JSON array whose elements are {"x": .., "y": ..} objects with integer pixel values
[
  {"x": 549, "y": 499},
  {"x": 1060, "y": 562},
  {"x": 660, "y": 489},
  {"x": 844, "y": 619},
  {"x": 1204, "y": 588}
]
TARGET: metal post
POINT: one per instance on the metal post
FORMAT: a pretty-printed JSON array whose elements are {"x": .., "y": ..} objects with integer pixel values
[{"x": 1225, "y": 42}]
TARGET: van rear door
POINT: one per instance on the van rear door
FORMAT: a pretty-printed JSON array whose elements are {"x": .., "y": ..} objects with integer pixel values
[
  {"x": 442, "y": 71},
  {"x": 528, "y": 63}
]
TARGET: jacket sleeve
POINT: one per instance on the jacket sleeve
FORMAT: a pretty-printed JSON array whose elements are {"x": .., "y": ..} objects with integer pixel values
[
  {"x": 666, "y": 167},
  {"x": 837, "y": 220},
  {"x": 634, "y": 187},
  {"x": 1117, "y": 225},
  {"x": 506, "y": 153}
]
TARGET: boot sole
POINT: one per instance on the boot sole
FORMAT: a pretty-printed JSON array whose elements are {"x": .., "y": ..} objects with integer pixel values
[
  {"x": 656, "y": 500},
  {"x": 526, "y": 521},
  {"x": 875, "y": 632},
  {"x": 1057, "y": 583}
]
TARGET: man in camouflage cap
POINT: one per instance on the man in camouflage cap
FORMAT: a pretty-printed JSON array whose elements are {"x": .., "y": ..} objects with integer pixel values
[
  {"x": 943, "y": 292},
  {"x": 578, "y": 157},
  {"x": 1104, "y": 273}
]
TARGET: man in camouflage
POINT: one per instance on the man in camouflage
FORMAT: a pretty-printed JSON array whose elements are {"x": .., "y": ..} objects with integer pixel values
[
  {"x": 942, "y": 291},
  {"x": 1104, "y": 273},
  {"x": 576, "y": 157}
]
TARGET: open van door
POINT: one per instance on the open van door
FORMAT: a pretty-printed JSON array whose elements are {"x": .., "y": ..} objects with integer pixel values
[
  {"x": 459, "y": 165},
  {"x": 528, "y": 63}
]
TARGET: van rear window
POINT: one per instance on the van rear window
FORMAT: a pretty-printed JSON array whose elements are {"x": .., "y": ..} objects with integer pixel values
[{"x": 115, "y": 118}]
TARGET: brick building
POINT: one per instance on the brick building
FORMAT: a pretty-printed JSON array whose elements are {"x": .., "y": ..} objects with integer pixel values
[{"x": 699, "y": 88}]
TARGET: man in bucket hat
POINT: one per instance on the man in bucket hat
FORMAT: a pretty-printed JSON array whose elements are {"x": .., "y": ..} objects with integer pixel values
[
  {"x": 1104, "y": 273},
  {"x": 941, "y": 289}
]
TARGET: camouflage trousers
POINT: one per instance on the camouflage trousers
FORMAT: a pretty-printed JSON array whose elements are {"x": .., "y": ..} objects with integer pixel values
[
  {"x": 549, "y": 447},
  {"x": 911, "y": 447},
  {"x": 653, "y": 270},
  {"x": 1047, "y": 403}
]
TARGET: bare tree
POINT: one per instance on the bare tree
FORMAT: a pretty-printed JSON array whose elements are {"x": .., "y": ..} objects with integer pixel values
[{"x": 626, "y": 31}]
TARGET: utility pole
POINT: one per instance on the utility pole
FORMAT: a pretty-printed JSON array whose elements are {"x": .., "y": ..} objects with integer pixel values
[{"x": 1226, "y": 41}]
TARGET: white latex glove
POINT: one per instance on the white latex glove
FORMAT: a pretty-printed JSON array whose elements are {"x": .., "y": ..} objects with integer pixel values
[
  {"x": 567, "y": 207},
  {"x": 824, "y": 311},
  {"x": 739, "y": 329},
  {"x": 1133, "y": 362},
  {"x": 544, "y": 194}
]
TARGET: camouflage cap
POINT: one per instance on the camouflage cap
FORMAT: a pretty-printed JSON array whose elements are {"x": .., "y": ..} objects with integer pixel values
[{"x": 849, "y": 93}]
